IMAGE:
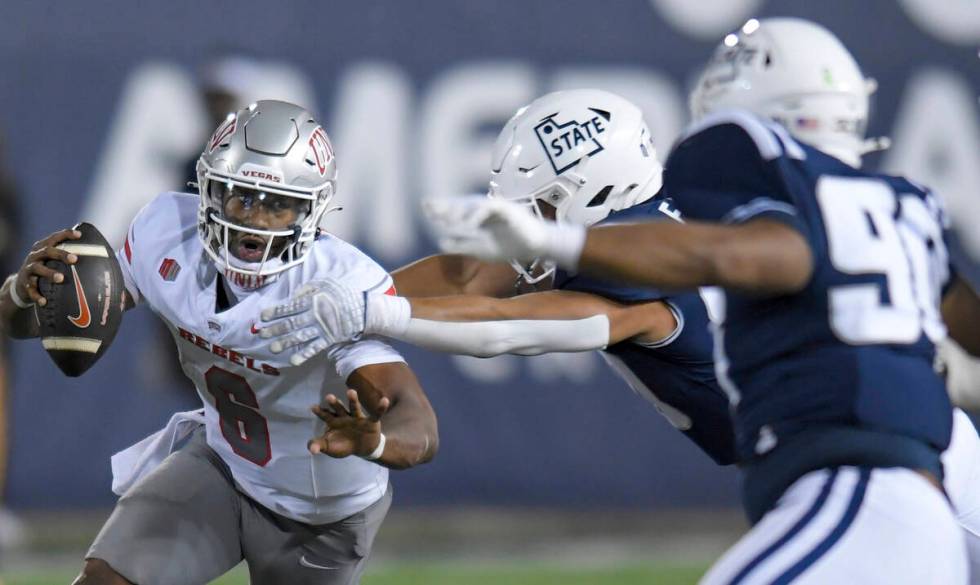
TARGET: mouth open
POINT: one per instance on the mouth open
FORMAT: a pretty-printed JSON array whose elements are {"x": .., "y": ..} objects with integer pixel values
[{"x": 250, "y": 248}]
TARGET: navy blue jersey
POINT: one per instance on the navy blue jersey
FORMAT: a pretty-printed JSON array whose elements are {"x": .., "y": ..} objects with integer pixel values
[
  {"x": 676, "y": 374},
  {"x": 854, "y": 349}
]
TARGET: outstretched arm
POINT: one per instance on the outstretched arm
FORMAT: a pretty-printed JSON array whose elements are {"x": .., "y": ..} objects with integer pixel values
[
  {"x": 389, "y": 419},
  {"x": 762, "y": 256},
  {"x": 454, "y": 274},
  {"x": 331, "y": 313},
  {"x": 650, "y": 321},
  {"x": 535, "y": 323}
]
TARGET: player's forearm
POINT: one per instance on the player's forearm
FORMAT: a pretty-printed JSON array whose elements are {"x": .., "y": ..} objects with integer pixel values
[
  {"x": 649, "y": 320},
  {"x": 453, "y": 274},
  {"x": 766, "y": 258},
  {"x": 484, "y": 327},
  {"x": 515, "y": 336},
  {"x": 411, "y": 436},
  {"x": 14, "y": 321},
  {"x": 410, "y": 427},
  {"x": 461, "y": 308}
]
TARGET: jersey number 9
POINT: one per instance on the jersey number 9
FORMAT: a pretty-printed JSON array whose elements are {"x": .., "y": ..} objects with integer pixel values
[{"x": 873, "y": 231}]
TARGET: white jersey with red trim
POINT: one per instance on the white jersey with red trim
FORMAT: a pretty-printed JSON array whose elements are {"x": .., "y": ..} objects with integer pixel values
[{"x": 257, "y": 405}]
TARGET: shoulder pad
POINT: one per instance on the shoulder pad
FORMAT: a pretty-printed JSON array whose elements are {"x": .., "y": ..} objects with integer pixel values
[
  {"x": 339, "y": 259},
  {"x": 769, "y": 138}
]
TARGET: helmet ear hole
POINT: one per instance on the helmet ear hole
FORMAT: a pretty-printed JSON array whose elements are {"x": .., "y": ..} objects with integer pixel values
[
  {"x": 600, "y": 197},
  {"x": 767, "y": 63}
]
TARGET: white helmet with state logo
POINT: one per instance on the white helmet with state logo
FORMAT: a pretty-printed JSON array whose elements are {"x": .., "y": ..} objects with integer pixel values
[
  {"x": 583, "y": 152},
  {"x": 275, "y": 149},
  {"x": 797, "y": 73}
]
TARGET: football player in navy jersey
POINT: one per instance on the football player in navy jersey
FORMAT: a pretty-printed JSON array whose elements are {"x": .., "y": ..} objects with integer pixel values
[
  {"x": 836, "y": 284},
  {"x": 580, "y": 157}
]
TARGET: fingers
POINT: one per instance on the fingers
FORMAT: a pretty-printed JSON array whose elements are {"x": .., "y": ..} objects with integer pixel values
[
  {"x": 52, "y": 253},
  {"x": 383, "y": 405},
  {"x": 34, "y": 267},
  {"x": 324, "y": 413},
  {"x": 317, "y": 446},
  {"x": 315, "y": 347},
  {"x": 332, "y": 409},
  {"x": 300, "y": 301},
  {"x": 453, "y": 210},
  {"x": 358, "y": 411},
  {"x": 355, "y": 405},
  {"x": 57, "y": 237},
  {"x": 346, "y": 427},
  {"x": 32, "y": 291},
  {"x": 40, "y": 270},
  {"x": 292, "y": 307},
  {"x": 293, "y": 339}
]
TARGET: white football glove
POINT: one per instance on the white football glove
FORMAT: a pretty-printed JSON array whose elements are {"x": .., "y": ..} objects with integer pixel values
[
  {"x": 320, "y": 315},
  {"x": 497, "y": 230},
  {"x": 491, "y": 229}
]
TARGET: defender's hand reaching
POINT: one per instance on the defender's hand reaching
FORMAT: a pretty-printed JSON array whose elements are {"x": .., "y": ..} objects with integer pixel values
[
  {"x": 322, "y": 314},
  {"x": 495, "y": 230}
]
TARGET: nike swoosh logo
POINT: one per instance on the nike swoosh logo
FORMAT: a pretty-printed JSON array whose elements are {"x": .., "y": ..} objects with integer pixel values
[
  {"x": 84, "y": 318},
  {"x": 306, "y": 563}
]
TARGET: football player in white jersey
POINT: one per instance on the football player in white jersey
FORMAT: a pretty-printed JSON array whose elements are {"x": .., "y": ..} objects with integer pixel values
[
  {"x": 298, "y": 497},
  {"x": 825, "y": 505}
]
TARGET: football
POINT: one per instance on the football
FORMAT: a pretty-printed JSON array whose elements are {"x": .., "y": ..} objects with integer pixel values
[{"x": 84, "y": 311}]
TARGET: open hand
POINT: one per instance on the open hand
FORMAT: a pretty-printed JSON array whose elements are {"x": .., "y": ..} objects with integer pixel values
[
  {"x": 491, "y": 229},
  {"x": 349, "y": 431}
]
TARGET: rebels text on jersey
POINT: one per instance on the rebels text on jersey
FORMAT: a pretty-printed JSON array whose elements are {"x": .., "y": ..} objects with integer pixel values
[
  {"x": 676, "y": 374},
  {"x": 854, "y": 349},
  {"x": 256, "y": 403}
]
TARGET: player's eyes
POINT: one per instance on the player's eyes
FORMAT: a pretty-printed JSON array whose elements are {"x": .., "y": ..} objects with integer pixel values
[
  {"x": 243, "y": 200},
  {"x": 248, "y": 200},
  {"x": 280, "y": 205}
]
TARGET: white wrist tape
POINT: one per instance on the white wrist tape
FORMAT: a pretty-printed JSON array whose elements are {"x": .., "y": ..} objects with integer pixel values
[
  {"x": 522, "y": 337},
  {"x": 386, "y": 315},
  {"x": 564, "y": 244},
  {"x": 378, "y": 451},
  {"x": 21, "y": 303}
]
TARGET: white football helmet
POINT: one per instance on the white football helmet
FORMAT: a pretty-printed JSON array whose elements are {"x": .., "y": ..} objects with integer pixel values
[
  {"x": 584, "y": 152},
  {"x": 273, "y": 149},
  {"x": 797, "y": 73}
]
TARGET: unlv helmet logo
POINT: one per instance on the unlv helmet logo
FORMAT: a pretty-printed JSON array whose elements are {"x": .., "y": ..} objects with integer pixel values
[
  {"x": 321, "y": 152},
  {"x": 566, "y": 143},
  {"x": 226, "y": 129}
]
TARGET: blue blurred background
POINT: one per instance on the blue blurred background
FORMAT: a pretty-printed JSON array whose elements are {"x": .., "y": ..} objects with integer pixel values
[{"x": 101, "y": 108}]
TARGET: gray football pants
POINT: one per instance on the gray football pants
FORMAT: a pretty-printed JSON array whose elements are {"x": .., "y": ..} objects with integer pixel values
[{"x": 186, "y": 524}]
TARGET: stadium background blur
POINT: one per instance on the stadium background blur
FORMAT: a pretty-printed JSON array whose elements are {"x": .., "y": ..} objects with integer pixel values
[{"x": 549, "y": 461}]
